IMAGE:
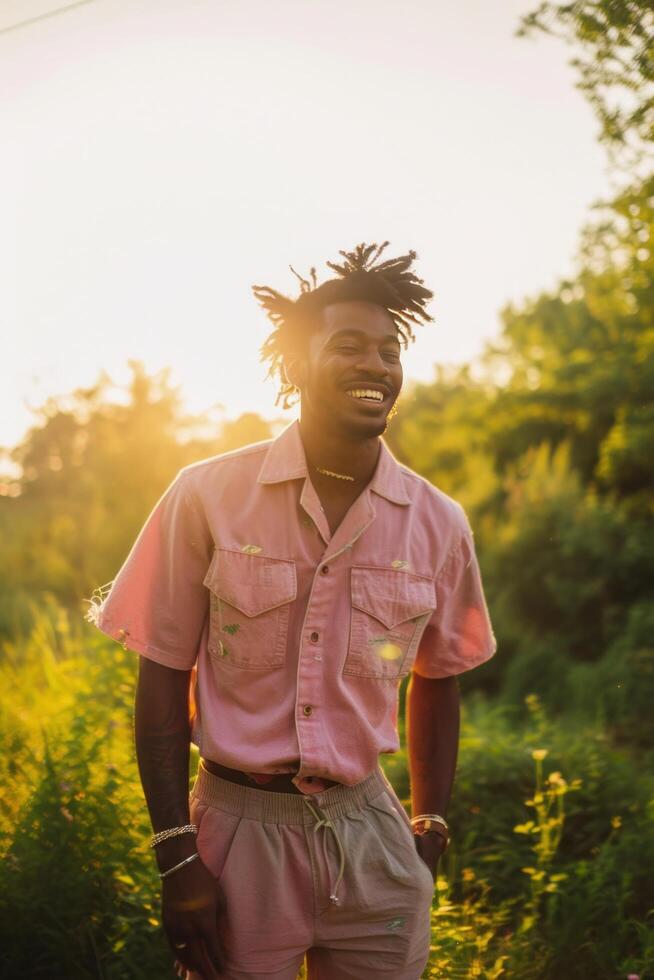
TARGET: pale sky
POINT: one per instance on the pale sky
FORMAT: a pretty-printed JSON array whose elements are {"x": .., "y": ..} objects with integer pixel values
[{"x": 157, "y": 157}]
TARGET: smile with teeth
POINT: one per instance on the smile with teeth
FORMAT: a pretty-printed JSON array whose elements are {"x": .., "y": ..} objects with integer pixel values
[{"x": 367, "y": 394}]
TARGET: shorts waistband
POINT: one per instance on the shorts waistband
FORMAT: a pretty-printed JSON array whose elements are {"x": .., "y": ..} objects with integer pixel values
[{"x": 285, "y": 808}]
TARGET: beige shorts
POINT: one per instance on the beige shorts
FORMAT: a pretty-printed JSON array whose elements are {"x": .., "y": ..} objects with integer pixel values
[{"x": 334, "y": 876}]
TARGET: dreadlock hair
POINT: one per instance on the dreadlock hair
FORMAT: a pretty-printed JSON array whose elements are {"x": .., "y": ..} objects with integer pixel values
[{"x": 360, "y": 276}]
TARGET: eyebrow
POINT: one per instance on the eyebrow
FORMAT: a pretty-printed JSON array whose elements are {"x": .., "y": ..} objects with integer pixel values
[{"x": 352, "y": 331}]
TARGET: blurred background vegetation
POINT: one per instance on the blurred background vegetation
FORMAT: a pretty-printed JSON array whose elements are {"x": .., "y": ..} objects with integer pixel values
[{"x": 548, "y": 442}]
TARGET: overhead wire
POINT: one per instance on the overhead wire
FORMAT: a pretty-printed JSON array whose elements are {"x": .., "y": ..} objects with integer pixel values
[{"x": 44, "y": 16}]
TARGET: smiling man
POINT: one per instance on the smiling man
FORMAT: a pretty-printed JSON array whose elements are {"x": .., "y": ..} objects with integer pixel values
[{"x": 290, "y": 586}]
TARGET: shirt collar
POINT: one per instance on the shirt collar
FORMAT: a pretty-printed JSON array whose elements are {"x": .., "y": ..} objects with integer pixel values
[
  {"x": 388, "y": 479},
  {"x": 285, "y": 460}
]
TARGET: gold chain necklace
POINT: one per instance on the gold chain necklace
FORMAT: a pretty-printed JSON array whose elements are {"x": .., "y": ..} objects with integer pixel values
[{"x": 337, "y": 476}]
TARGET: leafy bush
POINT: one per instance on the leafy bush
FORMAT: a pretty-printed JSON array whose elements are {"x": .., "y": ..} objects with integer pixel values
[
  {"x": 548, "y": 874},
  {"x": 77, "y": 889}
]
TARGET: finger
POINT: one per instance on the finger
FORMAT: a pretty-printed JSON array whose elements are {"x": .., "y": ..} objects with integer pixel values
[
  {"x": 210, "y": 969},
  {"x": 214, "y": 950},
  {"x": 197, "y": 960},
  {"x": 187, "y": 959}
]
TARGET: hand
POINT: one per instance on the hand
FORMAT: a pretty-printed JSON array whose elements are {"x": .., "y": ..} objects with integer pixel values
[
  {"x": 194, "y": 913},
  {"x": 430, "y": 846}
]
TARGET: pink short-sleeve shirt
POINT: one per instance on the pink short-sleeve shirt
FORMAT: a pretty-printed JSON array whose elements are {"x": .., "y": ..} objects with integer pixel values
[{"x": 300, "y": 637}]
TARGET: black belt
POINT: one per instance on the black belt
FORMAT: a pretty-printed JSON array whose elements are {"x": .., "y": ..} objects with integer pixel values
[{"x": 281, "y": 782}]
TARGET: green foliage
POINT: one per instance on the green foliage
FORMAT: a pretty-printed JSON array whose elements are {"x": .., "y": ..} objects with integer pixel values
[
  {"x": 550, "y": 877},
  {"x": 548, "y": 874},
  {"x": 77, "y": 892},
  {"x": 614, "y": 40},
  {"x": 90, "y": 471}
]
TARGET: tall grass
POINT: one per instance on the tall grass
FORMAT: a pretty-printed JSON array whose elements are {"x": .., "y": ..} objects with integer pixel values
[{"x": 548, "y": 875}]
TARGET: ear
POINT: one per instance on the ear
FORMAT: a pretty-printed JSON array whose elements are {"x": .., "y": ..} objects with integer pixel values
[{"x": 294, "y": 370}]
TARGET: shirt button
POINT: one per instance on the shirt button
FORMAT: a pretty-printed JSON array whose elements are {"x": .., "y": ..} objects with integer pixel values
[
  {"x": 307, "y": 710},
  {"x": 315, "y": 637},
  {"x": 324, "y": 569}
]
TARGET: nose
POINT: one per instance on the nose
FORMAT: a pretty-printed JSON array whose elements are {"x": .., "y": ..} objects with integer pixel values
[{"x": 372, "y": 363}]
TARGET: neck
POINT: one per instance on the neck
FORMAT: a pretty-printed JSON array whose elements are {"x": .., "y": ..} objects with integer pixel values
[{"x": 327, "y": 450}]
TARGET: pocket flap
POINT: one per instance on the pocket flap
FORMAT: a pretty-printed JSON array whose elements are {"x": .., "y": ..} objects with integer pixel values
[
  {"x": 392, "y": 596},
  {"x": 252, "y": 583}
]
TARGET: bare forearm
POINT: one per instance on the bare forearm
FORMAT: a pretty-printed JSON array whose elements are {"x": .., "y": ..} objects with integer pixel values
[
  {"x": 162, "y": 736},
  {"x": 433, "y": 741},
  {"x": 190, "y": 906}
]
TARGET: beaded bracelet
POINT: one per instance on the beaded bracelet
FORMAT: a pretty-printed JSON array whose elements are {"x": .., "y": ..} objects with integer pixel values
[{"x": 189, "y": 828}]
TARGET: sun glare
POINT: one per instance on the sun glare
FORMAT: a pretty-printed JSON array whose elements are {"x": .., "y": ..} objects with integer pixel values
[{"x": 160, "y": 159}]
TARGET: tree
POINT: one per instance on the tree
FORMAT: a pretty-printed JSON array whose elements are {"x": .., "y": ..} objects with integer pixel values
[
  {"x": 615, "y": 62},
  {"x": 91, "y": 469}
]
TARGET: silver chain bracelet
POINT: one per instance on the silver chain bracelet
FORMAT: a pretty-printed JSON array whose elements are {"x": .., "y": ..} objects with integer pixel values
[{"x": 176, "y": 867}]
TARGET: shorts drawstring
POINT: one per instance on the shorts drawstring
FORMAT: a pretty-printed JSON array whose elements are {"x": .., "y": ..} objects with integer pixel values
[{"x": 323, "y": 821}]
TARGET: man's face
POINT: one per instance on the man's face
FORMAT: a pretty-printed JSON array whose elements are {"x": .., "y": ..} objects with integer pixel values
[{"x": 352, "y": 374}]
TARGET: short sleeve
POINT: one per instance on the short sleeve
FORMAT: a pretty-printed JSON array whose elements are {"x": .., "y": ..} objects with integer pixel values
[
  {"x": 459, "y": 636},
  {"x": 157, "y": 604}
]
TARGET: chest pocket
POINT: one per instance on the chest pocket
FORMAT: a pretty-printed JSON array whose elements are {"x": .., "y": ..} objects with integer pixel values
[
  {"x": 249, "y": 604},
  {"x": 390, "y": 610}
]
